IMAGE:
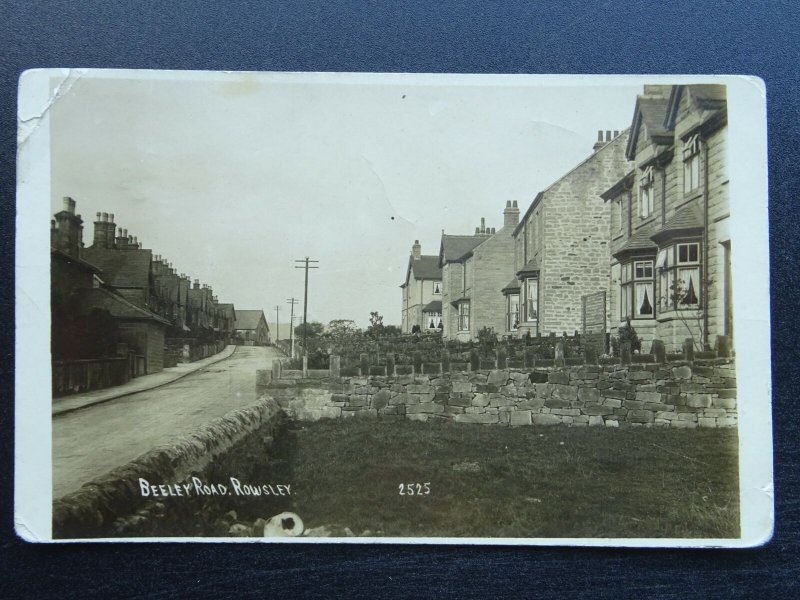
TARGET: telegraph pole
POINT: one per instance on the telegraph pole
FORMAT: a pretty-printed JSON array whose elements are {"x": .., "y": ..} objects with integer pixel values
[
  {"x": 305, "y": 266},
  {"x": 291, "y": 301},
  {"x": 277, "y": 323}
]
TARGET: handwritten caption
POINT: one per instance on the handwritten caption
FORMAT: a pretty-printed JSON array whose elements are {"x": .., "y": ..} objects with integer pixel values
[{"x": 197, "y": 487}]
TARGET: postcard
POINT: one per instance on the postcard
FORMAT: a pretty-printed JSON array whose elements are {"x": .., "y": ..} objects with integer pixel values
[{"x": 392, "y": 308}]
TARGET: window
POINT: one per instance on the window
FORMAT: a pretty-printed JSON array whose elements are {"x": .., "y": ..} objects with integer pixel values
[
  {"x": 531, "y": 299},
  {"x": 512, "y": 314},
  {"x": 679, "y": 276},
  {"x": 437, "y": 287},
  {"x": 433, "y": 320},
  {"x": 463, "y": 316},
  {"x": 636, "y": 290},
  {"x": 646, "y": 193},
  {"x": 616, "y": 217},
  {"x": 691, "y": 164}
]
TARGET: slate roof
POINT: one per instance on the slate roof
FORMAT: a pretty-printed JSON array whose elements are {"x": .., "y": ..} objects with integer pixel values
[
  {"x": 433, "y": 306},
  {"x": 533, "y": 264},
  {"x": 122, "y": 268},
  {"x": 686, "y": 221},
  {"x": 227, "y": 307},
  {"x": 119, "y": 307},
  {"x": 248, "y": 319},
  {"x": 426, "y": 267},
  {"x": 87, "y": 266},
  {"x": 456, "y": 247},
  {"x": 638, "y": 242},
  {"x": 511, "y": 286},
  {"x": 650, "y": 113}
]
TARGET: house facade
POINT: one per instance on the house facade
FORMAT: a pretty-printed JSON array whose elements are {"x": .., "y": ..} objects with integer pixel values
[
  {"x": 561, "y": 246},
  {"x": 474, "y": 269},
  {"x": 422, "y": 293},
  {"x": 251, "y": 328},
  {"x": 670, "y": 241}
]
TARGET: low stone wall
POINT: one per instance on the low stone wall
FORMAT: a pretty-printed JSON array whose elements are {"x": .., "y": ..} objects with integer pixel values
[
  {"x": 114, "y": 505},
  {"x": 680, "y": 396},
  {"x": 76, "y": 376}
]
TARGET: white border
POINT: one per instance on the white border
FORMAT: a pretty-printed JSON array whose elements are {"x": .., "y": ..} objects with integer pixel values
[{"x": 747, "y": 152}]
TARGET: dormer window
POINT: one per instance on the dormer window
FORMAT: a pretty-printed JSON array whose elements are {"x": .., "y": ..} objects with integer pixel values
[
  {"x": 691, "y": 164},
  {"x": 646, "y": 195}
]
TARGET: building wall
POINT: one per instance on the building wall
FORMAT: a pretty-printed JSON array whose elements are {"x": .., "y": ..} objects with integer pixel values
[
  {"x": 487, "y": 272},
  {"x": 574, "y": 241},
  {"x": 452, "y": 288},
  {"x": 417, "y": 294},
  {"x": 145, "y": 339}
]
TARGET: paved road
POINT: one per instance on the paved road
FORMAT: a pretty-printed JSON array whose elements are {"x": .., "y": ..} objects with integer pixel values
[{"x": 90, "y": 442}]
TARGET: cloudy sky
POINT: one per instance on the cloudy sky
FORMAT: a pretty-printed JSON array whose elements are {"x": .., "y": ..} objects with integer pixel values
[{"x": 232, "y": 177}]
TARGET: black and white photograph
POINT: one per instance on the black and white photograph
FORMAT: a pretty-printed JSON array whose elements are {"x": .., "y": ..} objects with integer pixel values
[{"x": 374, "y": 308}]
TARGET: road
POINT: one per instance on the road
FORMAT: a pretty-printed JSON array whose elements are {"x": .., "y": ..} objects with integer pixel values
[{"x": 90, "y": 442}]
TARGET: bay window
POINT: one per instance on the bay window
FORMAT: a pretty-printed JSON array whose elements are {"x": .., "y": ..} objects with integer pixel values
[
  {"x": 531, "y": 299},
  {"x": 463, "y": 316},
  {"x": 433, "y": 320},
  {"x": 636, "y": 290},
  {"x": 679, "y": 282},
  {"x": 512, "y": 312}
]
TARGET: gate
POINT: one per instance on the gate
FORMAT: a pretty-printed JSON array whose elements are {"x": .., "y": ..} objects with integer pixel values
[{"x": 593, "y": 310}]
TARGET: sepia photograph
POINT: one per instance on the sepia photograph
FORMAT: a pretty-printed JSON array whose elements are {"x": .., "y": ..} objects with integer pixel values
[{"x": 343, "y": 307}]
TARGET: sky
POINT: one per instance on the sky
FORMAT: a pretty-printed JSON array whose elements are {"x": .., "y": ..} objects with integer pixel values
[{"x": 233, "y": 177}]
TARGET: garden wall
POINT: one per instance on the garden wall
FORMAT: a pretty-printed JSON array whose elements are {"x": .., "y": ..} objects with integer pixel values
[
  {"x": 113, "y": 505},
  {"x": 674, "y": 395}
]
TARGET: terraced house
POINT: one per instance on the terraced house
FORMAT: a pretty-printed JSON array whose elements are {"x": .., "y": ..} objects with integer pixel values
[
  {"x": 422, "y": 293},
  {"x": 670, "y": 242},
  {"x": 474, "y": 268},
  {"x": 561, "y": 246}
]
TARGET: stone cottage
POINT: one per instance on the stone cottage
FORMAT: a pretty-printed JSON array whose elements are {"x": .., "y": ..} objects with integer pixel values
[
  {"x": 422, "y": 293},
  {"x": 474, "y": 269},
  {"x": 561, "y": 248},
  {"x": 670, "y": 242},
  {"x": 251, "y": 328}
]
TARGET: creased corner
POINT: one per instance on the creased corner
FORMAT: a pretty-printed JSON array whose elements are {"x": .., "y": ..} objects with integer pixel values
[{"x": 28, "y": 124}]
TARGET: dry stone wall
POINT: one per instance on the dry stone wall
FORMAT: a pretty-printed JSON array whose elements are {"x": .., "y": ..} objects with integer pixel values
[{"x": 674, "y": 395}]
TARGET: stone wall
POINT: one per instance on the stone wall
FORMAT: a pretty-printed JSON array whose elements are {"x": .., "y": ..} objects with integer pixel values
[
  {"x": 702, "y": 394},
  {"x": 113, "y": 505}
]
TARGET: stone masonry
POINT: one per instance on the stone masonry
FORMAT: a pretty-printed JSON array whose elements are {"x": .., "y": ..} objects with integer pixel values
[{"x": 676, "y": 395}]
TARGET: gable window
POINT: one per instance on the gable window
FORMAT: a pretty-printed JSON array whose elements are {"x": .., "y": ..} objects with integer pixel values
[
  {"x": 646, "y": 193},
  {"x": 691, "y": 164},
  {"x": 636, "y": 290},
  {"x": 437, "y": 287},
  {"x": 531, "y": 299},
  {"x": 512, "y": 312},
  {"x": 463, "y": 316},
  {"x": 679, "y": 276}
]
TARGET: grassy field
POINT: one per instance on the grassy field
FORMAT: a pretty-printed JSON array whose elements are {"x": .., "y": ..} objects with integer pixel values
[{"x": 498, "y": 482}]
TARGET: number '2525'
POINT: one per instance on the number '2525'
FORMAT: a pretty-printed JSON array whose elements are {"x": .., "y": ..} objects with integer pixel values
[{"x": 415, "y": 489}]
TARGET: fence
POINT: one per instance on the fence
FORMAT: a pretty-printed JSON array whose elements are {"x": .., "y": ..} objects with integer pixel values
[
  {"x": 74, "y": 376},
  {"x": 528, "y": 358}
]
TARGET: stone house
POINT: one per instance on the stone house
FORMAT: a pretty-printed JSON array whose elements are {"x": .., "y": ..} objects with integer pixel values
[
  {"x": 251, "y": 328},
  {"x": 91, "y": 319},
  {"x": 670, "y": 240},
  {"x": 474, "y": 269},
  {"x": 561, "y": 246},
  {"x": 422, "y": 293}
]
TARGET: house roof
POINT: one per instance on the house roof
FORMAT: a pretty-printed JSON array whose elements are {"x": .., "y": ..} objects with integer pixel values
[
  {"x": 129, "y": 268},
  {"x": 708, "y": 99},
  {"x": 87, "y": 266},
  {"x": 425, "y": 267},
  {"x": 456, "y": 247},
  {"x": 686, "y": 221},
  {"x": 531, "y": 266},
  {"x": 116, "y": 305},
  {"x": 511, "y": 286},
  {"x": 248, "y": 319},
  {"x": 639, "y": 242},
  {"x": 650, "y": 112},
  {"x": 227, "y": 307},
  {"x": 433, "y": 306}
]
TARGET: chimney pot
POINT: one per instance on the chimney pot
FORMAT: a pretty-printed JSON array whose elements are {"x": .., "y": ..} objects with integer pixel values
[
  {"x": 599, "y": 135},
  {"x": 98, "y": 217},
  {"x": 111, "y": 217},
  {"x": 52, "y": 223},
  {"x": 616, "y": 132},
  {"x": 105, "y": 218},
  {"x": 514, "y": 204},
  {"x": 69, "y": 204},
  {"x": 508, "y": 203},
  {"x": 608, "y": 135}
]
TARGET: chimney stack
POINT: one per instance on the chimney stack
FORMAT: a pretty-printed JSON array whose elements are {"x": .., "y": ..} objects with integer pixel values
[
  {"x": 69, "y": 205},
  {"x": 196, "y": 284},
  {"x": 99, "y": 239},
  {"x": 510, "y": 215},
  {"x": 110, "y": 229},
  {"x": 416, "y": 250},
  {"x": 67, "y": 235}
]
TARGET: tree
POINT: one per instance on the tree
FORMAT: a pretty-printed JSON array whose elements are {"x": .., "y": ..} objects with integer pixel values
[
  {"x": 311, "y": 329},
  {"x": 375, "y": 328}
]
